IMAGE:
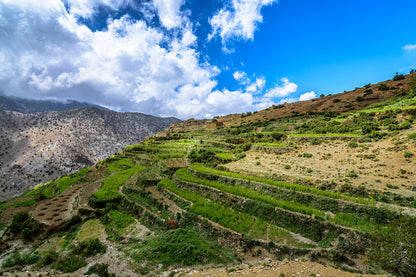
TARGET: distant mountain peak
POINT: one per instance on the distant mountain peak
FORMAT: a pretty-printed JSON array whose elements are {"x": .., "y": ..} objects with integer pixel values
[{"x": 26, "y": 106}]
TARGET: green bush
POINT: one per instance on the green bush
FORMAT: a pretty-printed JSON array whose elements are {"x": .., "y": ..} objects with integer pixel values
[
  {"x": 202, "y": 155},
  {"x": 71, "y": 225},
  {"x": 315, "y": 141},
  {"x": 24, "y": 225},
  {"x": 21, "y": 259},
  {"x": 352, "y": 174},
  {"x": 390, "y": 186},
  {"x": 69, "y": 263},
  {"x": 26, "y": 233},
  {"x": 408, "y": 154},
  {"x": 287, "y": 166},
  {"x": 50, "y": 257},
  {"x": 383, "y": 87},
  {"x": 353, "y": 144},
  {"x": 90, "y": 248},
  {"x": 18, "y": 222},
  {"x": 100, "y": 269},
  {"x": 368, "y": 91},
  {"x": 398, "y": 77}
]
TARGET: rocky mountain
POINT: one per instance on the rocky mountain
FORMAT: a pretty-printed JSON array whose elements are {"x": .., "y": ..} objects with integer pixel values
[
  {"x": 23, "y": 105},
  {"x": 38, "y": 147}
]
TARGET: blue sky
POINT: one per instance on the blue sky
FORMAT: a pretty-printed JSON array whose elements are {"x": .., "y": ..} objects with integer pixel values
[{"x": 200, "y": 58}]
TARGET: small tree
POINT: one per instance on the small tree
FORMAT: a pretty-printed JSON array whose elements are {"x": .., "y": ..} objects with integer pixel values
[{"x": 383, "y": 87}]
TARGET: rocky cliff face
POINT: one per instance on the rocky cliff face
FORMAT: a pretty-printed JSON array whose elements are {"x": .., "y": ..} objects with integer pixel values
[{"x": 39, "y": 147}]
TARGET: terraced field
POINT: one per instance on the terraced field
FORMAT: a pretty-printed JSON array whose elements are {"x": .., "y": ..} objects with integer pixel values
[{"x": 309, "y": 186}]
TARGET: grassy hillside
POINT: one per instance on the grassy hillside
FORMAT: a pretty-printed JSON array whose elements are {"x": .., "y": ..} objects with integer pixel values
[{"x": 330, "y": 186}]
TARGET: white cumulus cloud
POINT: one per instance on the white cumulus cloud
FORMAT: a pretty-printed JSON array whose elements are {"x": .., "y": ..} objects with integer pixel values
[
  {"x": 409, "y": 47},
  {"x": 240, "y": 75},
  {"x": 238, "y": 19},
  {"x": 307, "y": 96},
  {"x": 256, "y": 86},
  {"x": 282, "y": 91},
  {"x": 169, "y": 12},
  {"x": 288, "y": 100},
  {"x": 47, "y": 54}
]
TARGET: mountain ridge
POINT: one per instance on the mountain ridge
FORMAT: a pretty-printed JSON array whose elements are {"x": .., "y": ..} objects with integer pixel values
[
  {"x": 24, "y": 105},
  {"x": 64, "y": 141}
]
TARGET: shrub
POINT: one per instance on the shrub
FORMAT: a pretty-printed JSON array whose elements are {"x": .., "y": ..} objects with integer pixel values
[
  {"x": 24, "y": 225},
  {"x": 17, "y": 259},
  {"x": 359, "y": 99},
  {"x": 315, "y": 141},
  {"x": 201, "y": 155},
  {"x": 408, "y": 154},
  {"x": 352, "y": 174},
  {"x": 90, "y": 248},
  {"x": 336, "y": 100},
  {"x": 50, "y": 257},
  {"x": 368, "y": 92},
  {"x": 69, "y": 263},
  {"x": 307, "y": 155},
  {"x": 287, "y": 166},
  {"x": 383, "y": 87},
  {"x": 412, "y": 136},
  {"x": 100, "y": 269},
  {"x": 398, "y": 77},
  {"x": 26, "y": 233},
  {"x": 353, "y": 144},
  {"x": 18, "y": 222},
  {"x": 72, "y": 224},
  {"x": 390, "y": 186}
]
